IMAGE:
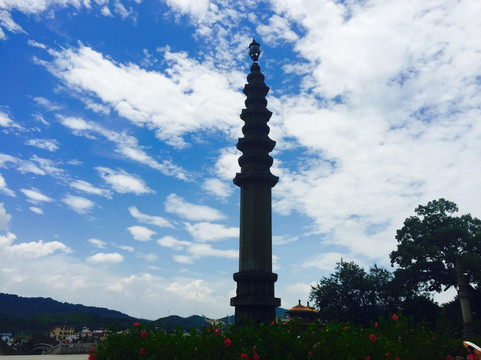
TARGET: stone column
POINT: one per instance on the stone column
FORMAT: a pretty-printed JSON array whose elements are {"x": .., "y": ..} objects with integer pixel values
[{"x": 255, "y": 300}]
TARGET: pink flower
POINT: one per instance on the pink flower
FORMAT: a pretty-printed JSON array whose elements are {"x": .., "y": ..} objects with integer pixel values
[
  {"x": 227, "y": 342},
  {"x": 395, "y": 317},
  {"x": 256, "y": 357},
  {"x": 244, "y": 356},
  {"x": 376, "y": 324},
  {"x": 217, "y": 331},
  {"x": 449, "y": 357},
  {"x": 136, "y": 324},
  {"x": 396, "y": 358},
  {"x": 143, "y": 333},
  {"x": 92, "y": 357},
  {"x": 368, "y": 357},
  {"x": 142, "y": 351},
  {"x": 372, "y": 337}
]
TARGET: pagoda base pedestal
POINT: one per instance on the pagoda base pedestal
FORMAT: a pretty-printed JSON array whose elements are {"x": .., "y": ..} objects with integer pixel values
[{"x": 255, "y": 301}]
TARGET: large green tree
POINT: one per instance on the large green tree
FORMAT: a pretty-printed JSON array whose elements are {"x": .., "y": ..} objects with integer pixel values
[
  {"x": 352, "y": 294},
  {"x": 437, "y": 250}
]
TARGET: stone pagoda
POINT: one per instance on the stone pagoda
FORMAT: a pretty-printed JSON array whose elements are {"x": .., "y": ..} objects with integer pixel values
[{"x": 255, "y": 299}]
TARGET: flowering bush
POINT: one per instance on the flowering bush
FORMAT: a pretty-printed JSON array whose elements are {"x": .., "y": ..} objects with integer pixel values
[{"x": 388, "y": 339}]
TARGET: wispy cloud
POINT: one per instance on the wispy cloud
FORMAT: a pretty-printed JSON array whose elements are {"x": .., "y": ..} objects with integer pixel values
[
  {"x": 88, "y": 188},
  {"x": 205, "y": 231},
  {"x": 78, "y": 204},
  {"x": 4, "y": 217},
  {"x": 46, "y": 144},
  {"x": 36, "y": 196},
  {"x": 97, "y": 243},
  {"x": 165, "y": 103},
  {"x": 193, "y": 251},
  {"x": 4, "y": 188},
  {"x": 100, "y": 258},
  {"x": 141, "y": 233},
  {"x": 125, "y": 145},
  {"x": 176, "y": 205},
  {"x": 31, "y": 250},
  {"x": 6, "y": 121},
  {"x": 149, "y": 219},
  {"x": 123, "y": 182}
]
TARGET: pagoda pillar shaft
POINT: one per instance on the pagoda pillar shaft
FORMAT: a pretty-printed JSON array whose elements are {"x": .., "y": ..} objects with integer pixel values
[{"x": 255, "y": 301}]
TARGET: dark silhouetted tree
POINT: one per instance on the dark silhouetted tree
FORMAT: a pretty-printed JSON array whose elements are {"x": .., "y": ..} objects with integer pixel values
[{"x": 437, "y": 250}]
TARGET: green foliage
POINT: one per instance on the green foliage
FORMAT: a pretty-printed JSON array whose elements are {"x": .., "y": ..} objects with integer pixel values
[
  {"x": 431, "y": 243},
  {"x": 352, "y": 294},
  {"x": 390, "y": 338}
]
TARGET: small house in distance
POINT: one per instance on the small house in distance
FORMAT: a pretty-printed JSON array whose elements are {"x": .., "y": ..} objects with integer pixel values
[
  {"x": 63, "y": 333},
  {"x": 306, "y": 314}
]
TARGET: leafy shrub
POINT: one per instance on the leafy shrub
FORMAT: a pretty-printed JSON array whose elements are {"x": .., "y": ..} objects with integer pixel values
[{"x": 392, "y": 338}]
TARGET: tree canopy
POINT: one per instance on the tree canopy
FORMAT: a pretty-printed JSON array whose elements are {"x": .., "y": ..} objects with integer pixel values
[
  {"x": 352, "y": 294},
  {"x": 435, "y": 241}
]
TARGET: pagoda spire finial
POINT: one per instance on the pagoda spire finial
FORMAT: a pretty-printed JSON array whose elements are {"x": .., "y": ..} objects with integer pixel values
[{"x": 254, "y": 50}]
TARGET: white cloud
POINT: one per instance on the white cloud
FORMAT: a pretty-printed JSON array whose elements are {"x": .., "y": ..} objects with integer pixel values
[
  {"x": 141, "y": 233},
  {"x": 125, "y": 145},
  {"x": 4, "y": 217},
  {"x": 30, "y": 250},
  {"x": 105, "y": 258},
  {"x": 122, "y": 182},
  {"x": 88, "y": 188},
  {"x": 46, "y": 144},
  {"x": 4, "y": 188},
  {"x": 173, "y": 243},
  {"x": 37, "y": 7},
  {"x": 194, "y": 251},
  {"x": 325, "y": 261},
  {"x": 205, "y": 231},
  {"x": 125, "y": 247},
  {"x": 176, "y": 205},
  {"x": 77, "y": 124},
  {"x": 206, "y": 250},
  {"x": 183, "y": 259},
  {"x": 191, "y": 290},
  {"x": 36, "y": 196},
  {"x": 78, "y": 204},
  {"x": 6, "y": 121},
  {"x": 227, "y": 166},
  {"x": 198, "y": 9},
  {"x": 277, "y": 30},
  {"x": 46, "y": 103},
  {"x": 217, "y": 187},
  {"x": 36, "y": 210},
  {"x": 283, "y": 239},
  {"x": 106, "y": 11},
  {"x": 97, "y": 243},
  {"x": 148, "y": 219},
  {"x": 37, "y": 166},
  {"x": 166, "y": 103},
  {"x": 147, "y": 257}
]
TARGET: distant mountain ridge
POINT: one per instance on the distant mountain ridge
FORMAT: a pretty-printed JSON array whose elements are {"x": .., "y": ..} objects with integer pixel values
[
  {"x": 37, "y": 314},
  {"x": 22, "y": 307}
]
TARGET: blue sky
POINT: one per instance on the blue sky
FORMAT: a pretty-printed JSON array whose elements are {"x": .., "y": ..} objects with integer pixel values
[{"x": 118, "y": 125}]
